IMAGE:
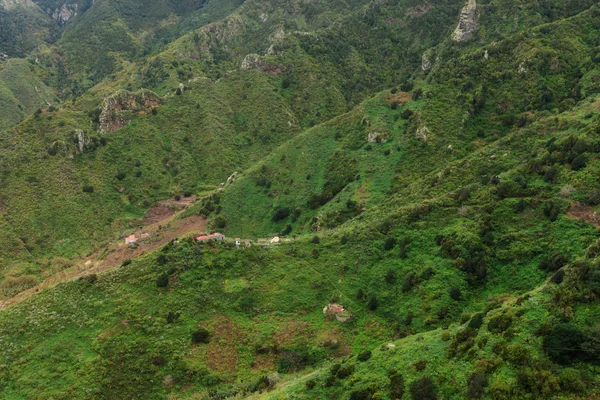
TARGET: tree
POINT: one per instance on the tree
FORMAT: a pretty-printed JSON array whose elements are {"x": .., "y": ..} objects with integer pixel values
[{"x": 423, "y": 389}]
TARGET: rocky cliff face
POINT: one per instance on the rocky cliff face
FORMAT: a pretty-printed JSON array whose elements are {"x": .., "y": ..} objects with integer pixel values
[
  {"x": 119, "y": 109},
  {"x": 468, "y": 23},
  {"x": 65, "y": 13}
]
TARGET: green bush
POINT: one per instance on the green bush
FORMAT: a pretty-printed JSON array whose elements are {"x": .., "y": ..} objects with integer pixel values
[
  {"x": 564, "y": 343},
  {"x": 364, "y": 356},
  {"x": 390, "y": 243},
  {"x": 162, "y": 281},
  {"x": 200, "y": 335},
  {"x": 499, "y": 323},
  {"x": 423, "y": 389},
  {"x": 396, "y": 385},
  {"x": 455, "y": 293},
  {"x": 477, "y": 321},
  {"x": 476, "y": 384}
]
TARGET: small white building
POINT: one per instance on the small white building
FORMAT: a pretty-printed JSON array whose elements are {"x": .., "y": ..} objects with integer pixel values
[{"x": 275, "y": 240}]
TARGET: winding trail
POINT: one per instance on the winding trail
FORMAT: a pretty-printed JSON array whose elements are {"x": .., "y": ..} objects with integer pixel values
[{"x": 160, "y": 226}]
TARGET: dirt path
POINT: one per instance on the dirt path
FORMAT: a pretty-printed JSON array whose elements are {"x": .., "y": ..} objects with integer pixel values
[{"x": 159, "y": 227}]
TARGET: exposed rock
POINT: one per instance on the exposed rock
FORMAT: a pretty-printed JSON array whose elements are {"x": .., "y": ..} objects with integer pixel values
[
  {"x": 65, "y": 13},
  {"x": 468, "y": 22},
  {"x": 377, "y": 137},
  {"x": 119, "y": 109},
  {"x": 423, "y": 133},
  {"x": 425, "y": 62},
  {"x": 258, "y": 63},
  {"x": 82, "y": 140}
]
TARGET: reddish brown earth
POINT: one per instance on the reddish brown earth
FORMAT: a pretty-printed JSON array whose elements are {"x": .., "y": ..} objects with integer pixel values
[
  {"x": 158, "y": 229},
  {"x": 585, "y": 213}
]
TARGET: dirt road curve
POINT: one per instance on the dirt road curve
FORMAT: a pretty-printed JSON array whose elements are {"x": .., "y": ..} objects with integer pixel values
[{"x": 158, "y": 229}]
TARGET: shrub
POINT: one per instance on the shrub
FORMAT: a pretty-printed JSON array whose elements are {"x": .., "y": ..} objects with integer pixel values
[
  {"x": 310, "y": 385},
  {"x": 316, "y": 240},
  {"x": 162, "y": 281},
  {"x": 410, "y": 281},
  {"x": 281, "y": 214},
  {"x": 564, "y": 343},
  {"x": 91, "y": 278},
  {"x": 390, "y": 277},
  {"x": 423, "y": 389},
  {"x": 455, "y": 293},
  {"x": 364, "y": 356},
  {"x": 372, "y": 304},
  {"x": 120, "y": 176},
  {"x": 570, "y": 380},
  {"x": 501, "y": 390},
  {"x": 364, "y": 393},
  {"x": 539, "y": 382},
  {"x": 463, "y": 195},
  {"x": 345, "y": 371},
  {"x": 500, "y": 323},
  {"x": 390, "y": 243},
  {"x": 427, "y": 273},
  {"x": 344, "y": 240},
  {"x": 420, "y": 365},
  {"x": 476, "y": 384},
  {"x": 394, "y": 105},
  {"x": 578, "y": 163},
  {"x": 286, "y": 231},
  {"x": 551, "y": 175},
  {"x": 200, "y": 335},
  {"x": 396, "y": 385},
  {"x": 173, "y": 316},
  {"x": 477, "y": 321},
  {"x": 446, "y": 335},
  {"x": 88, "y": 189}
]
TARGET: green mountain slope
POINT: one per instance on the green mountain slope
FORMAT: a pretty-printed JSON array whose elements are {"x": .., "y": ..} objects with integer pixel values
[{"x": 444, "y": 193}]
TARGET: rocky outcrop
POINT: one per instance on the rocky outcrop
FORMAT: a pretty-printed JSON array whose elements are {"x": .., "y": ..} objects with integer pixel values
[
  {"x": 65, "y": 13},
  {"x": 422, "y": 133},
  {"x": 119, "y": 109},
  {"x": 425, "y": 62},
  {"x": 377, "y": 137},
  {"x": 258, "y": 63},
  {"x": 468, "y": 23},
  {"x": 82, "y": 140}
]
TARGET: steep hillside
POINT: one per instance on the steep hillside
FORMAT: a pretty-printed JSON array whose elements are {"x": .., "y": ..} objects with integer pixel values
[{"x": 431, "y": 171}]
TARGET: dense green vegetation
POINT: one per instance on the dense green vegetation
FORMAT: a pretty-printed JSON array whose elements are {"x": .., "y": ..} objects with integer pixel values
[{"x": 444, "y": 193}]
